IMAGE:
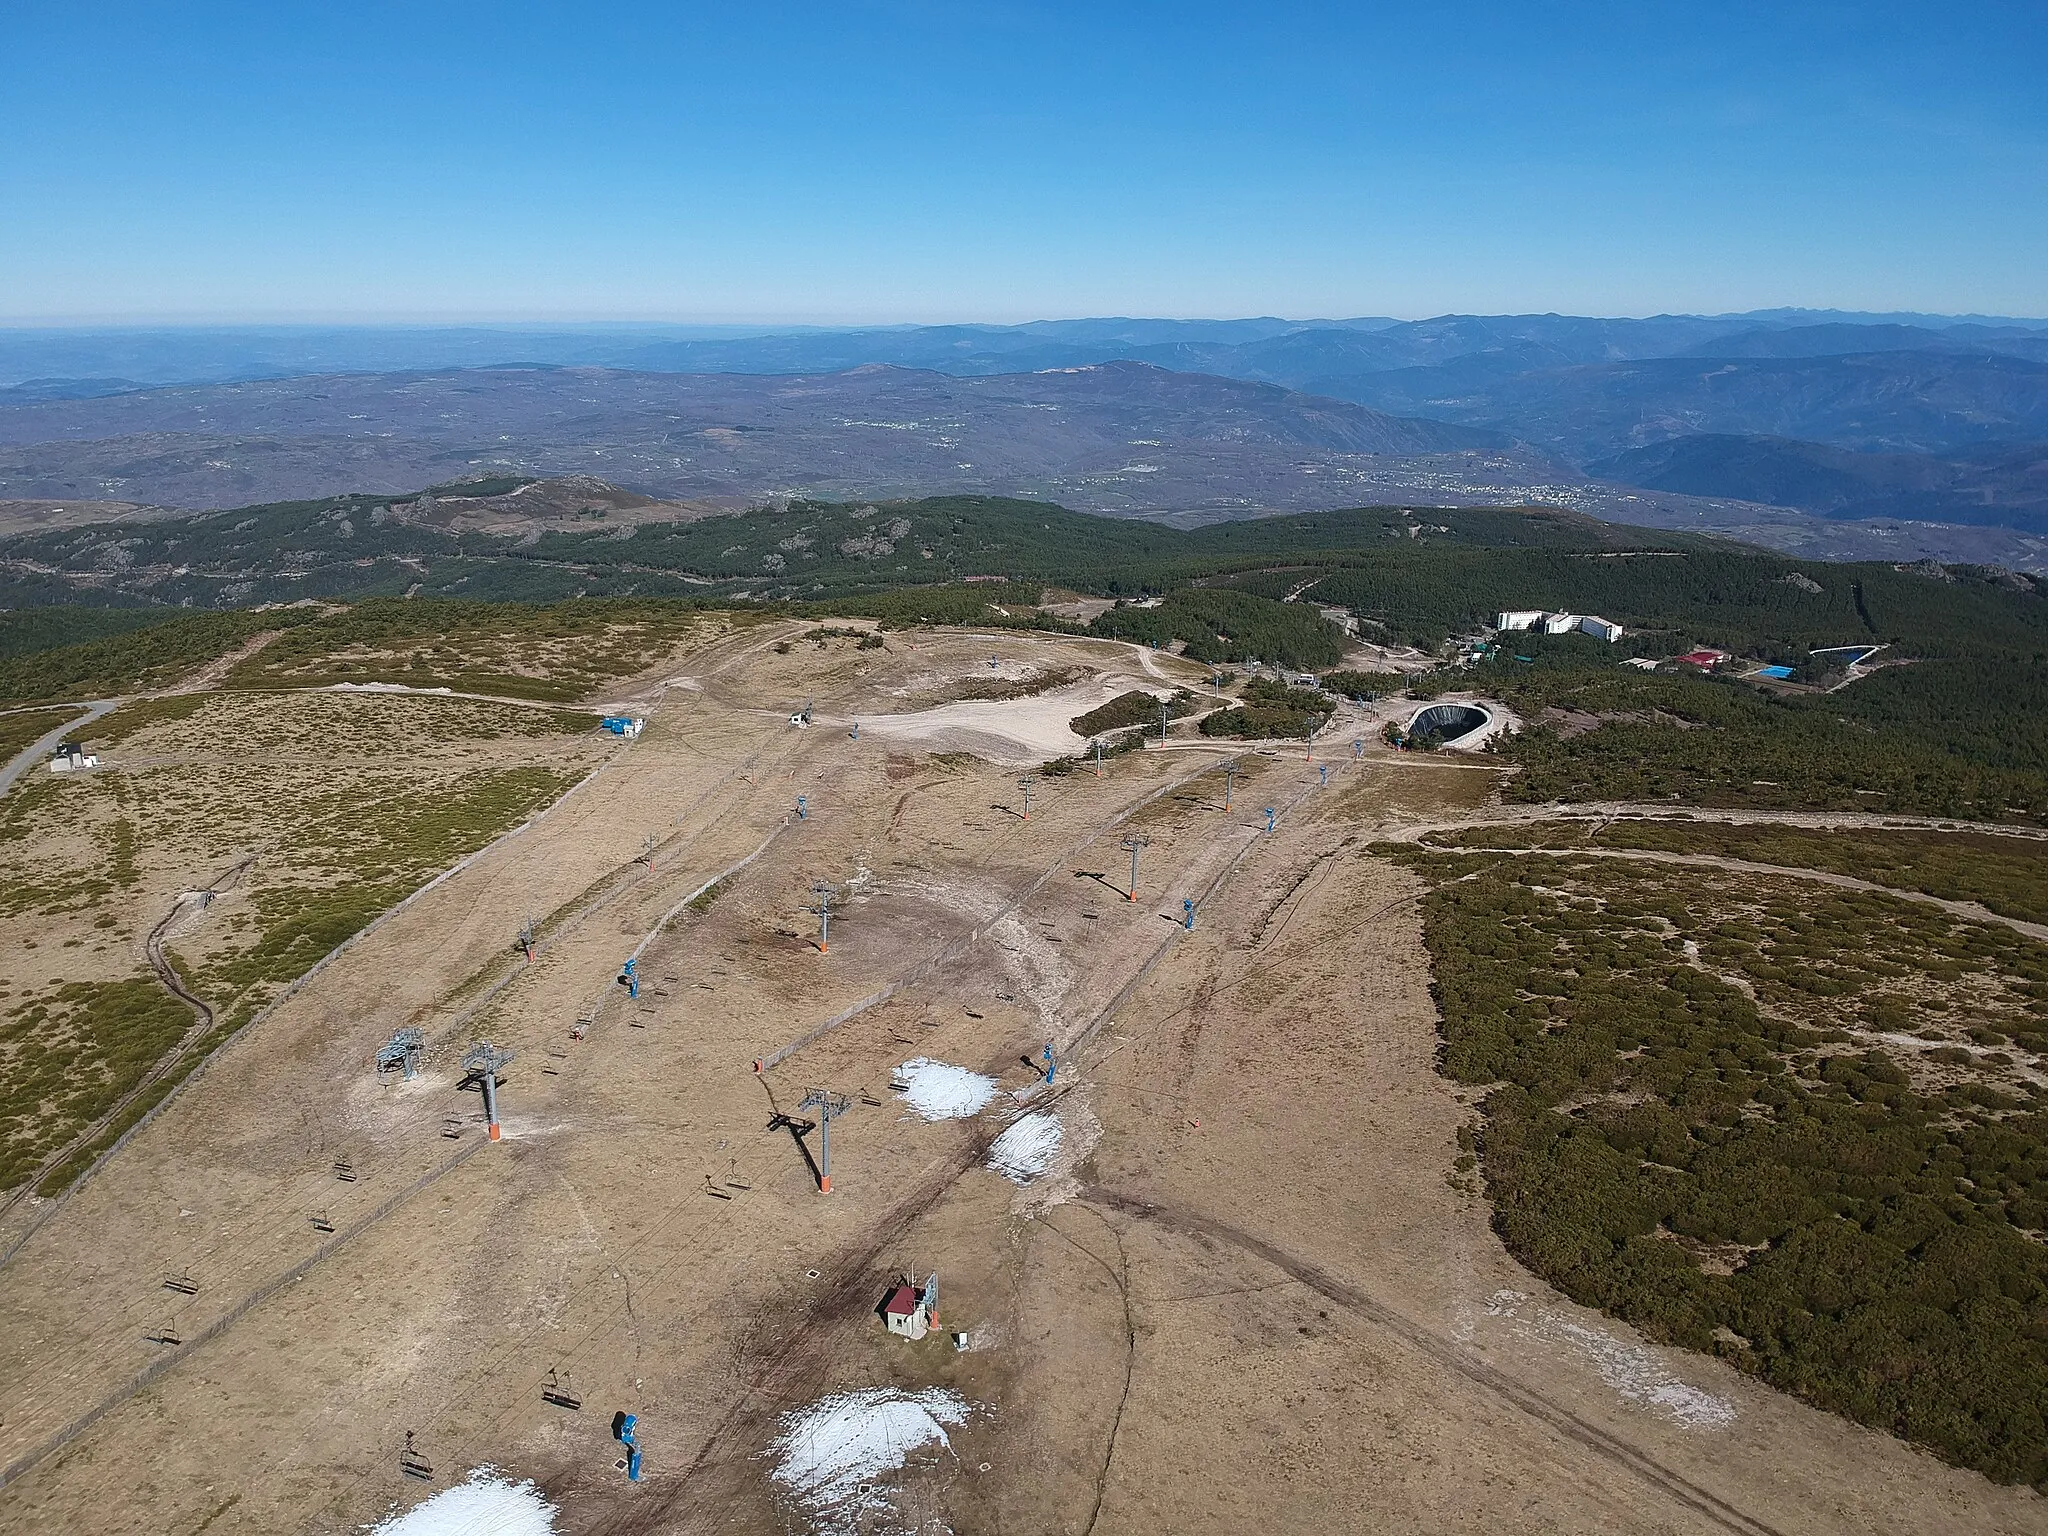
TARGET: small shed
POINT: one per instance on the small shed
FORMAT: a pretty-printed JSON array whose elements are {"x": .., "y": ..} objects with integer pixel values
[
  {"x": 73, "y": 758},
  {"x": 909, "y": 1311}
]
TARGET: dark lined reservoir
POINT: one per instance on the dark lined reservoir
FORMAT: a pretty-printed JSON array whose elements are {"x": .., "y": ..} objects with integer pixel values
[{"x": 1448, "y": 722}]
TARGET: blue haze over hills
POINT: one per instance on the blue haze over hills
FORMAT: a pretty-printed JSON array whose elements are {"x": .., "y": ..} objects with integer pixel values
[{"x": 1848, "y": 416}]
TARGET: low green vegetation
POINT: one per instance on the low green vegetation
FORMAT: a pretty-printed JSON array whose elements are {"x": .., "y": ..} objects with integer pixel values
[
  {"x": 1964, "y": 737},
  {"x": 1217, "y": 625},
  {"x": 996, "y": 689},
  {"x": 1135, "y": 708},
  {"x": 69, "y": 1053},
  {"x": 137, "y": 660},
  {"x": 2006, "y": 875},
  {"x": 21, "y": 729},
  {"x": 26, "y": 630},
  {"x": 558, "y": 652},
  {"x": 1792, "y": 1125},
  {"x": 1364, "y": 685},
  {"x": 1270, "y": 709}
]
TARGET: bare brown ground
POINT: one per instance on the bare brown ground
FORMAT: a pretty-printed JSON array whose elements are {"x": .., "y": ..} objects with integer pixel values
[{"x": 1259, "y": 1305}]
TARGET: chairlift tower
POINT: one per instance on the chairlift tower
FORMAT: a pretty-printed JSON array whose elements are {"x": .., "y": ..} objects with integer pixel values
[
  {"x": 1025, "y": 784},
  {"x": 1163, "y": 703},
  {"x": 630, "y": 975},
  {"x": 1133, "y": 845},
  {"x": 1357, "y": 749},
  {"x": 481, "y": 1064},
  {"x": 822, "y": 889},
  {"x": 1098, "y": 757},
  {"x": 830, "y": 1106},
  {"x": 526, "y": 940},
  {"x": 1231, "y": 769},
  {"x": 402, "y": 1050}
]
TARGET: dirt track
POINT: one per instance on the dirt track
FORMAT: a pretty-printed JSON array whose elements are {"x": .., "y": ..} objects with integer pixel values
[{"x": 1257, "y": 1305}]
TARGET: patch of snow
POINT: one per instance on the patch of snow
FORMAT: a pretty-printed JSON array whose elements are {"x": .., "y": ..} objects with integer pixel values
[
  {"x": 385, "y": 688},
  {"x": 486, "y": 1502},
  {"x": 939, "y": 1091},
  {"x": 829, "y": 1454},
  {"x": 1629, "y": 1369},
  {"x": 1026, "y": 1150}
]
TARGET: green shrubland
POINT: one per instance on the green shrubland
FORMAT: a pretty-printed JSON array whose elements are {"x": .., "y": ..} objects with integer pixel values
[{"x": 1698, "y": 1118}]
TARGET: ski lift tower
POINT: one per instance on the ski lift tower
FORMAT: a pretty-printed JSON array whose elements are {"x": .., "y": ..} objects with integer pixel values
[
  {"x": 1133, "y": 845},
  {"x": 830, "y": 1106},
  {"x": 822, "y": 889},
  {"x": 1025, "y": 784},
  {"x": 480, "y": 1065},
  {"x": 1231, "y": 768},
  {"x": 402, "y": 1050}
]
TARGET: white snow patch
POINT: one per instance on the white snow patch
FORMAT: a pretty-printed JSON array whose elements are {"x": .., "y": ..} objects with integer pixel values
[
  {"x": 829, "y": 1453},
  {"x": 1027, "y": 1149},
  {"x": 487, "y": 1503},
  {"x": 1628, "y": 1368},
  {"x": 938, "y": 1091},
  {"x": 385, "y": 688}
]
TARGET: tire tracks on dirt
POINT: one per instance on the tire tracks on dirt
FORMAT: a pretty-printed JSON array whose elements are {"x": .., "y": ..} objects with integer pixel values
[{"x": 1568, "y": 1424}]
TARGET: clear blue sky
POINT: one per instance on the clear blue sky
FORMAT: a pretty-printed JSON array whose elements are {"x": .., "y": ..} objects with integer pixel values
[{"x": 999, "y": 161}]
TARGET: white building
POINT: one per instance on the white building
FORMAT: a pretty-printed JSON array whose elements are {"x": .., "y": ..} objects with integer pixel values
[
  {"x": 1558, "y": 623},
  {"x": 72, "y": 758}
]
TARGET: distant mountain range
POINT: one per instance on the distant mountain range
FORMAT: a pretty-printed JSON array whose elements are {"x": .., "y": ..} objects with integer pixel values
[
  {"x": 1998, "y": 485},
  {"x": 1678, "y": 420}
]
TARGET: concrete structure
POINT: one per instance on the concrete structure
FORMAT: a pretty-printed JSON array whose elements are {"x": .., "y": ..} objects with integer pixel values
[
  {"x": 1464, "y": 726},
  {"x": 1547, "y": 623},
  {"x": 72, "y": 758}
]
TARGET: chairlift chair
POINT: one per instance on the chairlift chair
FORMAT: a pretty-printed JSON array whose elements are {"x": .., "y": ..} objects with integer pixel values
[{"x": 558, "y": 1391}]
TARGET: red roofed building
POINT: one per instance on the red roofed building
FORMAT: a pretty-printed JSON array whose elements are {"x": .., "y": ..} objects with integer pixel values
[
  {"x": 904, "y": 1312},
  {"x": 1705, "y": 658}
]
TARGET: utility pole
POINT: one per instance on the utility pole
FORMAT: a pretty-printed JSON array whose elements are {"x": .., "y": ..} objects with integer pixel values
[
  {"x": 822, "y": 889},
  {"x": 1132, "y": 845},
  {"x": 830, "y": 1106}
]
